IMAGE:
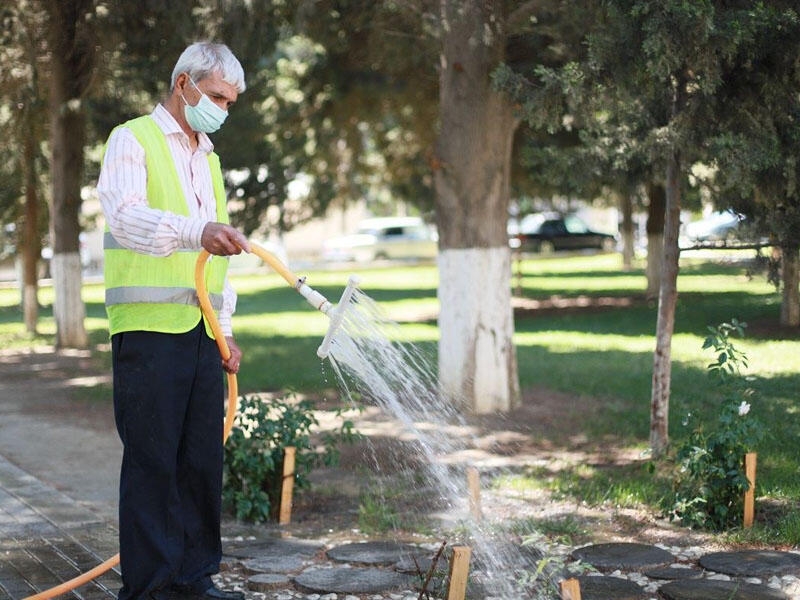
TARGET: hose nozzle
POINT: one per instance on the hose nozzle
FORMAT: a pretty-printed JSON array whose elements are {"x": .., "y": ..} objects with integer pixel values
[{"x": 337, "y": 316}]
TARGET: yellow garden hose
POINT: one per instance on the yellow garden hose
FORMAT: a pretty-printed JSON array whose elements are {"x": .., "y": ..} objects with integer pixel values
[
  {"x": 70, "y": 585},
  {"x": 313, "y": 297}
]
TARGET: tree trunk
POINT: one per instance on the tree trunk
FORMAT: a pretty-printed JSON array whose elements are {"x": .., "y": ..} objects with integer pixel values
[
  {"x": 31, "y": 243},
  {"x": 665, "y": 325},
  {"x": 656, "y": 209},
  {"x": 71, "y": 61},
  {"x": 790, "y": 276},
  {"x": 477, "y": 358},
  {"x": 626, "y": 229}
]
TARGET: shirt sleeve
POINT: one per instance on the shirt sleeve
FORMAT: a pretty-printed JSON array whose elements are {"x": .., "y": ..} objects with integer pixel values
[
  {"x": 228, "y": 308},
  {"x": 122, "y": 187}
]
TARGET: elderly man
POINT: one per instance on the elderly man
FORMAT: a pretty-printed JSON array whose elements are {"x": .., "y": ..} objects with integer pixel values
[{"x": 164, "y": 200}]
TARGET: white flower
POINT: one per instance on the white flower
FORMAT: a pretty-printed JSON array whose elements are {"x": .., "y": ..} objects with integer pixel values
[{"x": 744, "y": 408}]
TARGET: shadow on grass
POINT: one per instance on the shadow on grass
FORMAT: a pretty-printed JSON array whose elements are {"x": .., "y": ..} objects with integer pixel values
[{"x": 693, "y": 314}]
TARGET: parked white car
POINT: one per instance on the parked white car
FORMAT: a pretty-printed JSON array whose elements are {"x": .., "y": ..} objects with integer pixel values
[
  {"x": 396, "y": 238},
  {"x": 717, "y": 227}
]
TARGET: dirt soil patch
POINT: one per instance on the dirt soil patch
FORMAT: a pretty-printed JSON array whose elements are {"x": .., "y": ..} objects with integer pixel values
[{"x": 65, "y": 397}]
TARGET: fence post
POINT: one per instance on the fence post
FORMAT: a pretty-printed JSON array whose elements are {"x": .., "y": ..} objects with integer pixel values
[
  {"x": 459, "y": 572},
  {"x": 287, "y": 486},
  {"x": 570, "y": 589},
  {"x": 474, "y": 485},
  {"x": 750, "y": 495}
]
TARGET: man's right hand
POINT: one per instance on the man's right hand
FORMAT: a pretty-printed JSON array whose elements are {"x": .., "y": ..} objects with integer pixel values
[{"x": 223, "y": 240}]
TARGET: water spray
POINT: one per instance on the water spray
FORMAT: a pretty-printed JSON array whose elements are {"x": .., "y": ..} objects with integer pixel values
[{"x": 313, "y": 297}]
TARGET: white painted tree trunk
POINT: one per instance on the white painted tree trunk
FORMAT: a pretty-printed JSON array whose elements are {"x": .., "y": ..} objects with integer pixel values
[
  {"x": 472, "y": 171},
  {"x": 68, "y": 308},
  {"x": 477, "y": 358},
  {"x": 73, "y": 54}
]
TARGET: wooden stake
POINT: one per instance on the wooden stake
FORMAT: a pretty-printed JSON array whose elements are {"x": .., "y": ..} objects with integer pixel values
[
  {"x": 459, "y": 572},
  {"x": 474, "y": 485},
  {"x": 287, "y": 486},
  {"x": 750, "y": 494},
  {"x": 570, "y": 589}
]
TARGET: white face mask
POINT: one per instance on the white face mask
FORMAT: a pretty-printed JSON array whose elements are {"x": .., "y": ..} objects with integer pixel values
[{"x": 205, "y": 116}]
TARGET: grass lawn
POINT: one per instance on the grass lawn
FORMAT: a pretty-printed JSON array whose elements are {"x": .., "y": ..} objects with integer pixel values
[
  {"x": 599, "y": 346},
  {"x": 607, "y": 354}
]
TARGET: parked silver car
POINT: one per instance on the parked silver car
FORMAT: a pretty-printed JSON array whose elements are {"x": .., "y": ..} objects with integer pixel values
[{"x": 396, "y": 238}]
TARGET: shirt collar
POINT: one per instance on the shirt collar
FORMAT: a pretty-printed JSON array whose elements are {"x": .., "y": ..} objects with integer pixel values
[{"x": 169, "y": 126}]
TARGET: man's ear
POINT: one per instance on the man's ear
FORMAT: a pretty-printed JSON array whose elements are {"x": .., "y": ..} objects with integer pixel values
[{"x": 181, "y": 81}]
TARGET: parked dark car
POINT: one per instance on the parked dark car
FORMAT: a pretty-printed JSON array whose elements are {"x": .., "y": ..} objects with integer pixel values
[{"x": 550, "y": 233}]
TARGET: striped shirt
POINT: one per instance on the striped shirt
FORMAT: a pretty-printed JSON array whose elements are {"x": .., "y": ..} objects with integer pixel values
[{"x": 122, "y": 187}]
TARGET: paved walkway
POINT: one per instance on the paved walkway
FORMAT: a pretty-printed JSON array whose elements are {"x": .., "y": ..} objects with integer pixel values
[{"x": 47, "y": 538}]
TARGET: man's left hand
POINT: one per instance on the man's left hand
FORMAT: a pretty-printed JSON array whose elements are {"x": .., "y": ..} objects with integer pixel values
[{"x": 234, "y": 362}]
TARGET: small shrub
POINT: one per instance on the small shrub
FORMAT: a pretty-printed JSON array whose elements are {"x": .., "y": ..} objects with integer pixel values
[
  {"x": 253, "y": 463},
  {"x": 710, "y": 481}
]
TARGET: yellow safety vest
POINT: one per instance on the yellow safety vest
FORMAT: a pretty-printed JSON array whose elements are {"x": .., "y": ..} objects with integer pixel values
[{"x": 157, "y": 293}]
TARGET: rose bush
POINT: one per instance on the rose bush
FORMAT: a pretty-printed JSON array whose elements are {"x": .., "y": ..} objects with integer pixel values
[{"x": 710, "y": 479}]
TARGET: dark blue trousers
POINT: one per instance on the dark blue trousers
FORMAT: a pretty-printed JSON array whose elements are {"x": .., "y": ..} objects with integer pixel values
[{"x": 168, "y": 404}]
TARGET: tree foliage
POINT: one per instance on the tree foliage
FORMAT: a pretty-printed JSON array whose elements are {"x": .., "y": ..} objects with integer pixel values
[
  {"x": 23, "y": 102},
  {"x": 756, "y": 152},
  {"x": 343, "y": 97}
]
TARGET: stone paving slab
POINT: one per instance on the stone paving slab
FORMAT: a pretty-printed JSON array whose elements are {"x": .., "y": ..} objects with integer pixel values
[
  {"x": 272, "y": 547},
  {"x": 752, "y": 563},
  {"x": 376, "y": 553},
  {"x": 365, "y": 580},
  {"x": 671, "y": 573},
  {"x": 624, "y": 556},
  {"x": 267, "y": 582},
  {"x": 708, "y": 589},
  {"x": 602, "y": 587},
  {"x": 292, "y": 563}
]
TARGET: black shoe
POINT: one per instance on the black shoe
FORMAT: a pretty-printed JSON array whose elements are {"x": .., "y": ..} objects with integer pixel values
[{"x": 214, "y": 593}]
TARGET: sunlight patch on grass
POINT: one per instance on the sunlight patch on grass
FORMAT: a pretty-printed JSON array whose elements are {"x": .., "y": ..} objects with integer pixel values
[
  {"x": 289, "y": 324},
  {"x": 564, "y": 342},
  {"x": 533, "y": 479}
]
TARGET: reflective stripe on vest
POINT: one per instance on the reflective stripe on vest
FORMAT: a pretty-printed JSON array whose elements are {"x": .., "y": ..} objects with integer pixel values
[{"x": 157, "y": 293}]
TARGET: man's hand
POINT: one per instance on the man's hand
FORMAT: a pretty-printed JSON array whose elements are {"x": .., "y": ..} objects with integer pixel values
[
  {"x": 234, "y": 362},
  {"x": 223, "y": 240}
]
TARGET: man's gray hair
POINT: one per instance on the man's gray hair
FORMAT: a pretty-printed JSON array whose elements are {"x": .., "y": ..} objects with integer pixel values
[{"x": 201, "y": 59}]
